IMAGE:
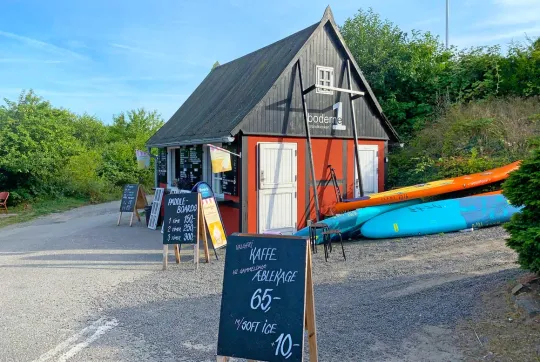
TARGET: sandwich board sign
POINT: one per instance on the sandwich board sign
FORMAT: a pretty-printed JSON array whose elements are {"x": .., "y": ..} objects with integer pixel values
[
  {"x": 156, "y": 208},
  {"x": 133, "y": 198},
  {"x": 183, "y": 224},
  {"x": 267, "y": 299},
  {"x": 211, "y": 214}
]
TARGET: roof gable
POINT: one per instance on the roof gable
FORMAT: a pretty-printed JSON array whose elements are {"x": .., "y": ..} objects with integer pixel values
[
  {"x": 229, "y": 92},
  {"x": 219, "y": 105}
]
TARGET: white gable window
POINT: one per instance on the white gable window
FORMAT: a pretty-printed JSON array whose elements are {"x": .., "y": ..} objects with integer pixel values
[{"x": 325, "y": 77}]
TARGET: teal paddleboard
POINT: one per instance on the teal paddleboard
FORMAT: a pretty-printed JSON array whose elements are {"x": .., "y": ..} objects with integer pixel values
[
  {"x": 351, "y": 221},
  {"x": 440, "y": 217}
]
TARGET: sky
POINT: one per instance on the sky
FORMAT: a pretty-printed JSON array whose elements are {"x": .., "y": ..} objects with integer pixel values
[{"x": 103, "y": 57}]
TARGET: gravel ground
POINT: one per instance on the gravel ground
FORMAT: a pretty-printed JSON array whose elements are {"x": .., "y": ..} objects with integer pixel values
[{"x": 392, "y": 300}]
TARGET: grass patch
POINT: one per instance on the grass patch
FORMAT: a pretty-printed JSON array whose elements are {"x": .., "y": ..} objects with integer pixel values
[{"x": 40, "y": 208}]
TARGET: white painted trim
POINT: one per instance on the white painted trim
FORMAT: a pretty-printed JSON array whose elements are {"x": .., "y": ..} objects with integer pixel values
[
  {"x": 368, "y": 148},
  {"x": 292, "y": 188}
]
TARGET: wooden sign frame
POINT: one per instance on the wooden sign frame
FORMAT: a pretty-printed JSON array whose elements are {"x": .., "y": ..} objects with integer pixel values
[
  {"x": 309, "y": 306},
  {"x": 140, "y": 203},
  {"x": 156, "y": 208},
  {"x": 201, "y": 235}
]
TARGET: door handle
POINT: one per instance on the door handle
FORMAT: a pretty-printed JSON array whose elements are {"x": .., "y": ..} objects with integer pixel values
[{"x": 262, "y": 176}]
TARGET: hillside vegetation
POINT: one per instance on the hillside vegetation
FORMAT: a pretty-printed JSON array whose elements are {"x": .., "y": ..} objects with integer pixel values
[
  {"x": 48, "y": 152},
  {"x": 457, "y": 111}
]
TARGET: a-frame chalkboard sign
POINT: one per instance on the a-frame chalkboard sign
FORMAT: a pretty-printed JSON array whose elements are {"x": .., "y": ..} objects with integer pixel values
[
  {"x": 133, "y": 198},
  {"x": 267, "y": 299},
  {"x": 184, "y": 224}
]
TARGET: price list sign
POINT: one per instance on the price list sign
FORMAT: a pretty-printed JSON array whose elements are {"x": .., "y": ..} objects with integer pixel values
[
  {"x": 181, "y": 218},
  {"x": 162, "y": 165},
  {"x": 190, "y": 165},
  {"x": 129, "y": 197},
  {"x": 264, "y": 297}
]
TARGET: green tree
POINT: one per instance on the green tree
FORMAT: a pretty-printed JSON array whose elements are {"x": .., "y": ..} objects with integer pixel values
[
  {"x": 129, "y": 132},
  {"x": 403, "y": 70},
  {"x": 36, "y": 140},
  {"x": 523, "y": 189}
]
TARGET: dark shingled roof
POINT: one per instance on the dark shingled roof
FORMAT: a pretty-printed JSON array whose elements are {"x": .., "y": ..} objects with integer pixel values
[{"x": 229, "y": 92}]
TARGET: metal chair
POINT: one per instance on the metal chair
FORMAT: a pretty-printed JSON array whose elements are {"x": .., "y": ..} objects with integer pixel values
[
  {"x": 327, "y": 242},
  {"x": 313, "y": 234}
]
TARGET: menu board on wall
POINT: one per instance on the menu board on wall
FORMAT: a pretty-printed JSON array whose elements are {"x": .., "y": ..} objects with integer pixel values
[
  {"x": 162, "y": 165},
  {"x": 230, "y": 178},
  {"x": 190, "y": 167}
]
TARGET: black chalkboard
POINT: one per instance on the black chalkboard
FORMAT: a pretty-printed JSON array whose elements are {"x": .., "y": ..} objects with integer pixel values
[
  {"x": 189, "y": 166},
  {"x": 181, "y": 218},
  {"x": 162, "y": 165},
  {"x": 262, "y": 303},
  {"x": 229, "y": 179},
  {"x": 129, "y": 197}
]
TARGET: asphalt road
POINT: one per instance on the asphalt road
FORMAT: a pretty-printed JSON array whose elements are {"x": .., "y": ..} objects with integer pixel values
[{"x": 76, "y": 287}]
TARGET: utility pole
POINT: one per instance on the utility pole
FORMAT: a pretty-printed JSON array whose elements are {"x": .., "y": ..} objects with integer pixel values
[{"x": 447, "y": 16}]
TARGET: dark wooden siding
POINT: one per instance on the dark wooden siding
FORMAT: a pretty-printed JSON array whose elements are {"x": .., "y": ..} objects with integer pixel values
[{"x": 280, "y": 110}]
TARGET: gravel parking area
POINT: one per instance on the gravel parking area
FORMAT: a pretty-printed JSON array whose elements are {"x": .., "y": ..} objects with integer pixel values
[
  {"x": 76, "y": 287},
  {"x": 396, "y": 300}
]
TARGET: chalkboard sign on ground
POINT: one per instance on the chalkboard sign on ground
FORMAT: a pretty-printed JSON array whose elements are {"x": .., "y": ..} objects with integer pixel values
[
  {"x": 267, "y": 299},
  {"x": 133, "y": 198},
  {"x": 181, "y": 224},
  {"x": 129, "y": 197}
]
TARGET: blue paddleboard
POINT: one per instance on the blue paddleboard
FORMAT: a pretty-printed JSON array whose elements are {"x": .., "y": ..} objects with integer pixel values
[
  {"x": 351, "y": 221},
  {"x": 440, "y": 217}
]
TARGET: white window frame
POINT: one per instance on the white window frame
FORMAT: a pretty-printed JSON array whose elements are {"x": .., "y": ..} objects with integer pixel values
[{"x": 325, "y": 82}]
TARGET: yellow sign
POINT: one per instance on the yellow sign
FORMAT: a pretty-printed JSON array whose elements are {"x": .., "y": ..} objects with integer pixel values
[
  {"x": 221, "y": 160},
  {"x": 213, "y": 221}
]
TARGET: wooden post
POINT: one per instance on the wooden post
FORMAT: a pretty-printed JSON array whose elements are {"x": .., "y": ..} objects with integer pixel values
[
  {"x": 308, "y": 136},
  {"x": 165, "y": 255},
  {"x": 177, "y": 253},
  {"x": 355, "y": 135},
  {"x": 204, "y": 237},
  {"x": 310, "y": 312},
  {"x": 131, "y": 219},
  {"x": 119, "y": 217}
]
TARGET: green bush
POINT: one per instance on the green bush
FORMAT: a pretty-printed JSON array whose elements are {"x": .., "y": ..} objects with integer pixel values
[
  {"x": 523, "y": 189},
  {"x": 468, "y": 138},
  {"x": 48, "y": 152}
]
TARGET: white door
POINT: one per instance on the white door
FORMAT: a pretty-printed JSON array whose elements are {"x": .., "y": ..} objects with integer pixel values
[
  {"x": 277, "y": 187},
  {"x": 369, "y": 161}
]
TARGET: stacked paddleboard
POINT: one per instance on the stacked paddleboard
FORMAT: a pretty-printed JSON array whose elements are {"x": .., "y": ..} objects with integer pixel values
[
  {"x": 350, "y": 222},
  {"x": 440, "y": 217},
  {"x": 400, "y": 213}
]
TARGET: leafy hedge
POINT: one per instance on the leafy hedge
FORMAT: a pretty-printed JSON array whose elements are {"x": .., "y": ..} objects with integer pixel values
[
  {"x": 49, "y": 152},
  {"x": 468, "y": 138},
  {"x": 414, "y": 75},
  {"x": 523, "y": 189}
]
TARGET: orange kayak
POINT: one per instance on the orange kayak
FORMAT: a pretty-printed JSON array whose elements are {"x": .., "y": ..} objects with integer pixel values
[
  {"x": 429, "y": 189},
  {"x": 489, "y": 193}
]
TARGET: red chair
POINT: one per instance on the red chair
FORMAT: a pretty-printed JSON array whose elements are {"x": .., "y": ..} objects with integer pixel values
[{"x": 3, "y": 200}]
